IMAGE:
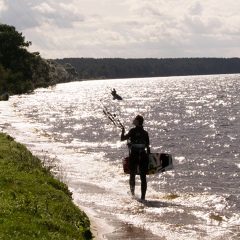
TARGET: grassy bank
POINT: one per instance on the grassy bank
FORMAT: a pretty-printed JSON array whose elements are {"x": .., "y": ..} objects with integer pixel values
[{"x": 33, "y": 204}]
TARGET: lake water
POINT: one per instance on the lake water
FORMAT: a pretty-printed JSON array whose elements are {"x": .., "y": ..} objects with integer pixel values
[{"x": 194, "y": 118}]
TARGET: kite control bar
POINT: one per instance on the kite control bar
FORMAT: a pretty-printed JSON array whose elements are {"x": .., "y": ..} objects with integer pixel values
[{"x": 113, "y": 118}]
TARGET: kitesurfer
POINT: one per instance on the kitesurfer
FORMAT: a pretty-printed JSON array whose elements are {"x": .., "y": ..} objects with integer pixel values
[
  {"x": 139, "y": 147},
  {"x": 115, "y": 95},
  {"x": 114, "y": 92}
]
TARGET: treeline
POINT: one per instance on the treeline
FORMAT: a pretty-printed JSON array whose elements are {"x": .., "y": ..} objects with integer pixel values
[
  {"x": 22, "y": 71},
  {"x": 109, "y": 68}
]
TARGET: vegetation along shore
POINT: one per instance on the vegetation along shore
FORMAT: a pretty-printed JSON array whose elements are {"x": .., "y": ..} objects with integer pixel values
[{"x": 34, "y": 204}]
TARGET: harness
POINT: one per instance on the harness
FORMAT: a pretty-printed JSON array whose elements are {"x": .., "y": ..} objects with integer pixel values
[{"x": 138, "y": 145}]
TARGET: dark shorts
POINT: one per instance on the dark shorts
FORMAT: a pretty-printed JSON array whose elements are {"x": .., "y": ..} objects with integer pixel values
[{"x": 138, "y": 159}]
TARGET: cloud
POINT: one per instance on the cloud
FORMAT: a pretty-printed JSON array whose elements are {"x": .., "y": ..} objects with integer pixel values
[
  {"x": 157, "y": 32},
  {"x": 147, "y": 8},
  {"x": 60, "y": 14},
  {"x": 100, "y": 37},
  {"x": 137, "y": 28},
  {"x": 3, "y": 6},
  {"x": 203, "y": 25},
  {"x": 195, "y": 9},
  {"x": 29, "y": 14},
  {"x": 70, "y": 12},
  {"x": 44, "y": 8}
]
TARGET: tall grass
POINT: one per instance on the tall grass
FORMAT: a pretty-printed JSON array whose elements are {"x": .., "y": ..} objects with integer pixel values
[{"x": 34, "y": 204}]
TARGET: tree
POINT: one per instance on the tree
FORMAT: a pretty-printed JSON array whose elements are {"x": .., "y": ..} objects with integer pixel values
[
  {"x": 14, "y": 56},
  {"x": 4, "y": 75}
]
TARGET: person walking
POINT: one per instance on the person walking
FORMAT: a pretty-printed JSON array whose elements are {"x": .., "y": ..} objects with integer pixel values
[{"x": 139, "y": 147}]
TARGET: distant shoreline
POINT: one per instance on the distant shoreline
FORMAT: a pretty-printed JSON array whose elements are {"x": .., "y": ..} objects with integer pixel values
[{"x": 116, "y": 68}]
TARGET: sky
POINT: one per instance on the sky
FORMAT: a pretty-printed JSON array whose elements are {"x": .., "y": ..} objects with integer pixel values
[{"x": 126, "y": 28}]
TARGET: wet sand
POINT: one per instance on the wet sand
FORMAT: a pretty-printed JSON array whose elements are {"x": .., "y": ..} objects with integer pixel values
[
  {"x": 106, "y": 226},
  {"x": 109, "y": 228},
  {"x": 99, "y": 227}
]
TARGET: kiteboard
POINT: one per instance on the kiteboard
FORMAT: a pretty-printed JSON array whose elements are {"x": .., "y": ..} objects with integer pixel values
[{"x": 158, "y": 162}]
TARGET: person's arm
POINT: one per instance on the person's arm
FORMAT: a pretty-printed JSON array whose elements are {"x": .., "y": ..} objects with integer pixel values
[
  {"x": 148, "y": 145},
  {"x": 148, "y": 149},
  {"x": 123, "y": 136}
]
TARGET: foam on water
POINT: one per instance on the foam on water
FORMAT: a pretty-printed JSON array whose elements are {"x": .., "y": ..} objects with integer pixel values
[{"x": 196, "y": 119}]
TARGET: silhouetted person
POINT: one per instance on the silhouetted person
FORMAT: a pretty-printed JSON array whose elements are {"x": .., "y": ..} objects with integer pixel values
[{"x": 139, "y": 148}]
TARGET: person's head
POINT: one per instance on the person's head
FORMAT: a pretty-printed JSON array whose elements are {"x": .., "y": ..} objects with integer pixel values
[{"x": 138, "y": 120}]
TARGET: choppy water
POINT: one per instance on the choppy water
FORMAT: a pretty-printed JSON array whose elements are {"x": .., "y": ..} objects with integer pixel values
[{"x": 194, "y": 118}]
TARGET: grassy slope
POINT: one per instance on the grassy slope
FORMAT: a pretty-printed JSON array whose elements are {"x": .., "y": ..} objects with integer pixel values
[{"x": 33, "y": 204}]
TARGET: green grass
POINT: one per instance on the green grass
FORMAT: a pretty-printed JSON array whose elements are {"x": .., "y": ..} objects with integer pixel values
[{"x": 33, "y": 204}]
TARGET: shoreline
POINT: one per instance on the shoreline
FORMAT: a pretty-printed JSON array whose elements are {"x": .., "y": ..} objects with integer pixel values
[
  {"x": 99, "y": 227},
  {"x": 103, "y": 227},
  {"x": 35, "y": 191}
]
